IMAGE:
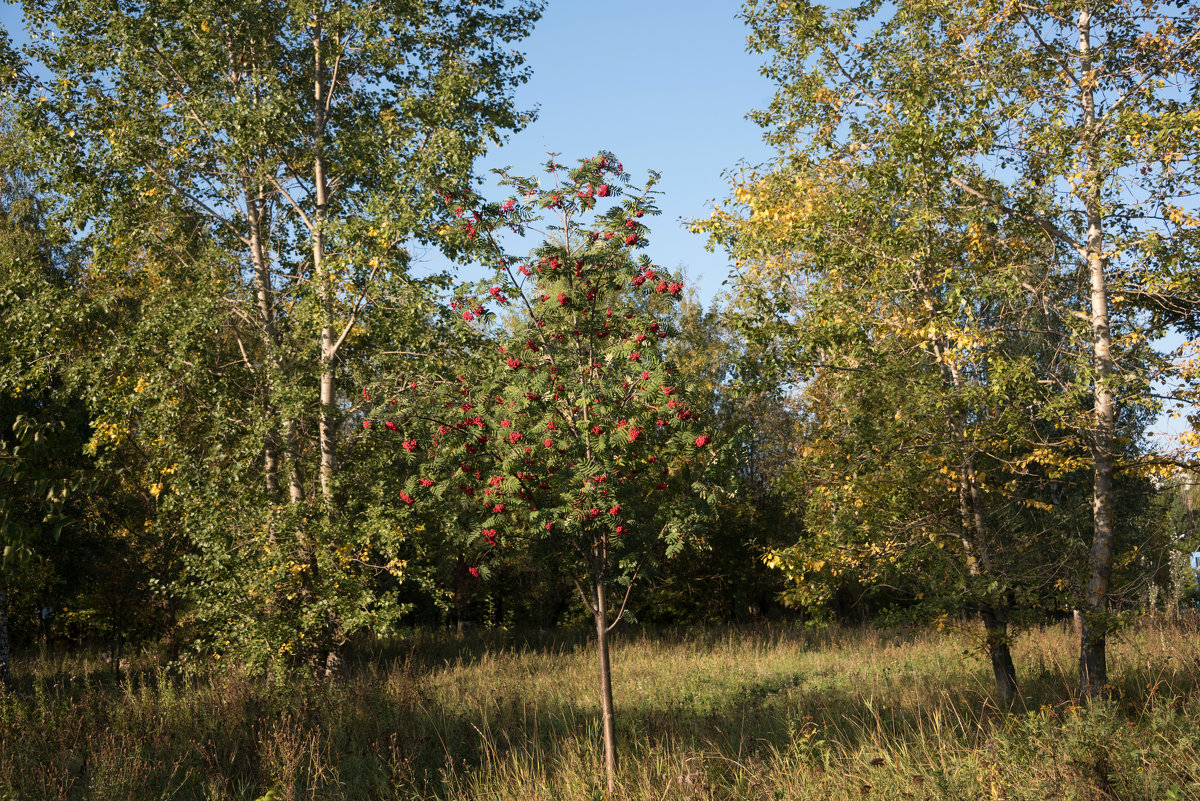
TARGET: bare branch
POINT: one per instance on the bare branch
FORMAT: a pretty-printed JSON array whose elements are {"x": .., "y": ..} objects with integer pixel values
[
  {"x": 207, "y": 209},
  {"x": 587, "y": 603},
  {"x": 353, "y": 314},
  {"x": 292, "y": 202}
]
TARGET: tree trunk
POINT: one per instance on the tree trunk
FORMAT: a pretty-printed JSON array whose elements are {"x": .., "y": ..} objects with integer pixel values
[
  {"x": 600, "y": 610},
  {"x": 328, "y": 386},
  {"x": 327, "y": 392},
  {"x": 1093, "y": 664},
  {"x": 992, "y": 612},
  {"x": 271, "y": 462},
  {"x": 995, "y": 623},
  {"x": 265, "y": 298},
  {"x": 978, "y": 553},
  {"x": 295, "y": 479},
  {"x": 606, "y": 698}
]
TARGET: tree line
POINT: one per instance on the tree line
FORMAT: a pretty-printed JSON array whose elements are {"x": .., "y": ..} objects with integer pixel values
[{"x": 237, "y": 422}]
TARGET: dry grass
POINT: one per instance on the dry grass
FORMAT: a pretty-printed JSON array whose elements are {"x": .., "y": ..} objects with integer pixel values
[{"x": 764, "y": 713}]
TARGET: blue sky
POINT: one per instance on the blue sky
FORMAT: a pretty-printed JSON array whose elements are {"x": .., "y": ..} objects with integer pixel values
[{"x": 664, "y": 84}]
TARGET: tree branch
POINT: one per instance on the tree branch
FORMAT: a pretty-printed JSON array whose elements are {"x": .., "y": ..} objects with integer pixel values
[
  {"x": 628, "y": 590},
  {"x": 193, "y": 199},
  {"x": 1051, "y": 230},
  {"x": 583, "y": 595},
  {"x": 353, "y": 314}
]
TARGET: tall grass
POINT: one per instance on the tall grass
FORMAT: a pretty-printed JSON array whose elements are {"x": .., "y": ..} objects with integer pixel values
[{"x": 763, "y": 713}]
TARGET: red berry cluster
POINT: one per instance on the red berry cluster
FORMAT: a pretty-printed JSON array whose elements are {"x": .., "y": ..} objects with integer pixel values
[{"x": 578, "y": 368}]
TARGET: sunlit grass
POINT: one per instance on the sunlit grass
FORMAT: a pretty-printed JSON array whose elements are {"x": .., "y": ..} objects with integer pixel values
[{"x": 763, "y": 713}]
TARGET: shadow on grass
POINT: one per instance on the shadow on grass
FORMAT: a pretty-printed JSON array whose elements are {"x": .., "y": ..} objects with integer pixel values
[{"x": 401, "y": 726}]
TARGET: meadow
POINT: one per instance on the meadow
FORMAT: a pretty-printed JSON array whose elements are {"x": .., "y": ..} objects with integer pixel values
[{"x": 768, "y": 712}]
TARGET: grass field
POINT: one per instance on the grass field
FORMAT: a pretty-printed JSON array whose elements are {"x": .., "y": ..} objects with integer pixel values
[{"x": 758, "y": 713}]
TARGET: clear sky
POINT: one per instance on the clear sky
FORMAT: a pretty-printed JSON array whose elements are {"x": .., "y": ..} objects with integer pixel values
[{"x": 664, "y": 84}]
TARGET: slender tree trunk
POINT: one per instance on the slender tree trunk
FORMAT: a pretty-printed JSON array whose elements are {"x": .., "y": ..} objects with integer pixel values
[
  {"x": 271, "y": 461},
  {"x": 295, "y": 479},
  {"x": 979, "y": 559},
  {"x": 327, "y": 392},
  {"x": 265, "y": 300},
  {"x": 600, "y": 610},
  {"x": 995, "y": 620},
  {"x": 606, "y": 698},
  {"x": 328, "y": 386},
  {"x": 1093, "y": 663}
]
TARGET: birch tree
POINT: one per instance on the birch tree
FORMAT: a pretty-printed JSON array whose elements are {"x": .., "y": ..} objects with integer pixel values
[
  {"x": 306, "y": 145},
  {"x": 1076, "y": 119}
]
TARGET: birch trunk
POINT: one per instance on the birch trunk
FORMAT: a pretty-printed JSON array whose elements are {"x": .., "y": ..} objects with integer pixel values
[
  {"x": 265, "y": 301},
  {"x": 264, "y": 293},
  {"x": 1093, "y": 664},
  {"x": 328, "y": 387}
]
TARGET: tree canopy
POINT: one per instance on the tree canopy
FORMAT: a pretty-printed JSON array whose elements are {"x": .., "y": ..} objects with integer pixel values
[{"x": 236, "y": 419}]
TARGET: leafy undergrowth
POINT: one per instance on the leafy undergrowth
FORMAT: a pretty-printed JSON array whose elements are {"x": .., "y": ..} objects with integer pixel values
[{"x": 763, "y": 713}]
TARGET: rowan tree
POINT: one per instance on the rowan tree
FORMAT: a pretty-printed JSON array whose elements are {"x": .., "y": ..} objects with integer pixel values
[{"x": 571, "y": 435}]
